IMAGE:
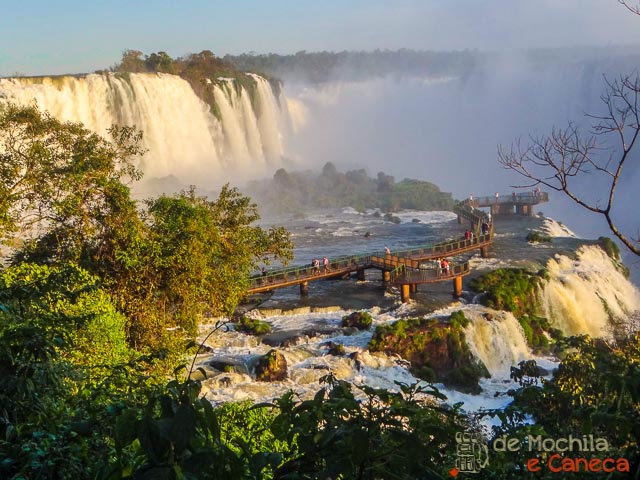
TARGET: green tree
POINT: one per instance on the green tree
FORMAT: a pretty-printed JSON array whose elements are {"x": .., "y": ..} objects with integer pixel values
[
  {"x": 61, "y": 178},
  {"x": 191, "y": 257}
]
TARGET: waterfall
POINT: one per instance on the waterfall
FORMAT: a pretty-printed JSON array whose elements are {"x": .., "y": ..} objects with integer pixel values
[
  {"x": 585, "y": 293},
  {"x": 499, "y": 342},
  {"x": 182, "y": 135}
]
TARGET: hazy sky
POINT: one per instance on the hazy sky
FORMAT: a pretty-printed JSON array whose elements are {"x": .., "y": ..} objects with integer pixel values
[{"x": 72, "y": 36}]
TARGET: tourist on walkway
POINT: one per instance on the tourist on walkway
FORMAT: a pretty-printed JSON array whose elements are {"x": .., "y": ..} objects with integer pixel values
[
  {"x": 387, "y": 251},
  {"x": 325, "y": 262},
  {"x": 445, "y": 266}
]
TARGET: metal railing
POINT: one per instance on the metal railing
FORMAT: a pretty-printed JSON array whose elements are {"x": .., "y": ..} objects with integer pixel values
[
  {"x": 427, "y": 274},
  {"x": 529, "y": 198}
]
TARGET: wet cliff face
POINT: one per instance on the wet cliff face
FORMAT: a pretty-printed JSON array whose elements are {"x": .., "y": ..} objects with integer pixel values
[{"x": 231, "y": 129}]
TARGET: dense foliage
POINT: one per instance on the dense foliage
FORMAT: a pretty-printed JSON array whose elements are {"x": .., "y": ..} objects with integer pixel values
[
  {"x": 165, "y": 263},
  {"x": 299, "y": 191}
]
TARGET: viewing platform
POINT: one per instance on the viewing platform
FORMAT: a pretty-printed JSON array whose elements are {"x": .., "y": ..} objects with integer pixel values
[{"x": 511, "y": 203}]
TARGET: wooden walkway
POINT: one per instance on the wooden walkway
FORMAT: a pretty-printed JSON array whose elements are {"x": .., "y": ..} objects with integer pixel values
[{"x": 405, "y": 268}]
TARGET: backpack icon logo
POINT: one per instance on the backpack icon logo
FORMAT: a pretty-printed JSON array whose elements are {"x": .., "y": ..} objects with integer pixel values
[{"x": 472, "y": 453}]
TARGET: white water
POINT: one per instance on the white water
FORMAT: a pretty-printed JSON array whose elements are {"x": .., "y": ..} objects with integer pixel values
[
  {"x": 556, "y": 229},
  {"x": 499, "y": 343},
  {"x": 181, "y": 134},
  {"x": 574, "y": 299}
]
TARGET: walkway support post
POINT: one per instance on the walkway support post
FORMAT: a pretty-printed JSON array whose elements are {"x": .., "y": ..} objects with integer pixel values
[
  {"x": 404, "y": 292},
  {"x": 484, "y": 251},
  {"x": 457, "y": 287},
  {"x": 413, "y": 288},
  {"x": 386, "y": 276},
  {"x": 304, "y": 289},
  {"x": 360, "y": 274}
]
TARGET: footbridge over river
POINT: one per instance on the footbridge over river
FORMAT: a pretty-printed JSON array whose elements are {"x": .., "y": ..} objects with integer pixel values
[{"x": 405, "y": 268}]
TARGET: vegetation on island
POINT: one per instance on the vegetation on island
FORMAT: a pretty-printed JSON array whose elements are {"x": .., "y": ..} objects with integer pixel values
[
  {"x": 297, "y": 191},
  {"x": 538, "y": 237},
  {"x": 359, "y": 320},
  {"x": 252, "y": 326},
  {"x": 512, "y": 289},
  {"x": 99, "y": 301},
  {"x": 517, "y": 290},
  {"x": 437, "y": 350}
]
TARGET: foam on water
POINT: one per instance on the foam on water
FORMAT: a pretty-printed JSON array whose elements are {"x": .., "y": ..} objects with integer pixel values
[{"x": 585, "y": 293}]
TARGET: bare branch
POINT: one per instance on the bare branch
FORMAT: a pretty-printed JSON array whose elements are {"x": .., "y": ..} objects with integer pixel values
[
  {"x": 559, "y": 160},
  {"x": 632, "y": 8}
]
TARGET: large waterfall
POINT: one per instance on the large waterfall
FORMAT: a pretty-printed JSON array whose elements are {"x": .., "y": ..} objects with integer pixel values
[{"x": 182, "y": 134}]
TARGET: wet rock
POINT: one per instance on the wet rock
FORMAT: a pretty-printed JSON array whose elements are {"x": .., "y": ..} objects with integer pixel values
[
  {"x": 359, "y": 320},
  {"x": 356, "y": 357},
  {"x": 204, "y": 349},
  {"x": 227, "y": 364},
  {"x": 348, "y": 331},
  {"x": 335, "y": 349},
  {"x": 271, "y": 367},
  {"x": 488, "y": 316},
  {"x": 203, "y": 372}
]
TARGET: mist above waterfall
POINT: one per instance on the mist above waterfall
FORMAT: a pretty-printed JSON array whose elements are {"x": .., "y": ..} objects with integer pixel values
[{"x": 447, "y": 129}]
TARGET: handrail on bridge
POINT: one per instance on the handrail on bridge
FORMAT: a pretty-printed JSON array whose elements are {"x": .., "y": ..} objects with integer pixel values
[{"x": 397, "y": 260}]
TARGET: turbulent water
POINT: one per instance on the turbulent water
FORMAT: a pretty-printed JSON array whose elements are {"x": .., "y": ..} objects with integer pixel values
[
  {"x": 578, "y": 271},
  {"x": 182, "y": 135}
]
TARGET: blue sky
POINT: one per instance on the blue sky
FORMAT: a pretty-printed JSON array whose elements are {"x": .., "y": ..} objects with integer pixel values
[{"x": 52, "y": 37}]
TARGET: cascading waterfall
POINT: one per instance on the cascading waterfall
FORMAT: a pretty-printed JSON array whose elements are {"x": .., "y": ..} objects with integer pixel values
[
  {"x": 499, "y": 343},
  {"x": 585, "y": 293},
  {"x": 181, "y": 134}
]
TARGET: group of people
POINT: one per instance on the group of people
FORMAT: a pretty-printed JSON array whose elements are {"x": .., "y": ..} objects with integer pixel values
[{"x": 315, "y": 265}]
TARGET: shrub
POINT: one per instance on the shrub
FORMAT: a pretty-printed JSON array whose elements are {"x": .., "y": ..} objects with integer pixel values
[
  {"x": 538, "y": 237},
  {"x": 359, "y": 320}
]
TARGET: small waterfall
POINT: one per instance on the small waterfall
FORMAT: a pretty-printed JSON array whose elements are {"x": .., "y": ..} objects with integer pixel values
[
  {"x": 499, "y": 342},
  {"x": 182, "y": 135},
  {"x": 585, "y": 293}
]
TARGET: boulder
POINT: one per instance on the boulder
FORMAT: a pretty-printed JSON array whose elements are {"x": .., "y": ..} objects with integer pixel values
[
  {"x": 271, "y": 367},
  {"x": 359, "y": 320}
]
